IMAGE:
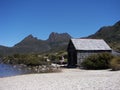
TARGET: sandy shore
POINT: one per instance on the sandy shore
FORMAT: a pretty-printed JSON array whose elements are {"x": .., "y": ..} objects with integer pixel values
[{"x": 69, "y": 79}]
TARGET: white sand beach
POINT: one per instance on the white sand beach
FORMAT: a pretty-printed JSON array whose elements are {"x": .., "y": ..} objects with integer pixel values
[{"x": 68, "y": 79}]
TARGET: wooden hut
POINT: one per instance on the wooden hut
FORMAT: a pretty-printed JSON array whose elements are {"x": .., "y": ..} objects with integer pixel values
[{"x": 79, "y": 49}]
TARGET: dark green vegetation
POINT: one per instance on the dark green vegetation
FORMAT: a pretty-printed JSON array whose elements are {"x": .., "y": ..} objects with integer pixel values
[
  {"x": 36, "y": 63},
  {"x": 97, "y": 61},
  {"x": 111, "y": 34},
  {"x": 35, "y": 59},
  {"x": 102, "y": 61}
]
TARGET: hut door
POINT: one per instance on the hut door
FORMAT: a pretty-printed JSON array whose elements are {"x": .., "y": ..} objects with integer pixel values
[{"x": 72, "y": 59}]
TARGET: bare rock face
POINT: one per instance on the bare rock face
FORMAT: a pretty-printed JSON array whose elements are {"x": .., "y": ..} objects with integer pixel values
[{"x": 56, "y": 37}]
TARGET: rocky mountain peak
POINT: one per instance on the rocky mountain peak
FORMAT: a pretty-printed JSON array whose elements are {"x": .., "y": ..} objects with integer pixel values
[
  {"x": 30, "y": 37},
  {"x": 53, "y": 37}
]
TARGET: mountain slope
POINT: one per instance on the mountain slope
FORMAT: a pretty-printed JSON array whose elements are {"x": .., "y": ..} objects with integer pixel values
[
  {"x": 111, "y": 34},
  {"x": 31, "y": 44},
  {"x": 4, "y": 50}
]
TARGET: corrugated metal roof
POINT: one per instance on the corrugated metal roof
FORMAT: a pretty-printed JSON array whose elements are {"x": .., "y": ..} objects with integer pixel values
[{"x": 90, "y": 44}]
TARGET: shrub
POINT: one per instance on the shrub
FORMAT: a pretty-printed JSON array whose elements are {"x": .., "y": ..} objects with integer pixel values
[
  {"x": 97, "y": 61},
  {"x": 27, "y": 59},
  {"x": 115, "y": 63}
]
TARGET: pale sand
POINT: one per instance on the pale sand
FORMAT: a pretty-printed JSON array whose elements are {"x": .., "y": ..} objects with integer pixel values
[{"x": 69, "y": 79}]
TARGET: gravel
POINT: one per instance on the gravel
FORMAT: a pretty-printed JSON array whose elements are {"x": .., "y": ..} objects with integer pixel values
[{"x": 68, "y": 79}]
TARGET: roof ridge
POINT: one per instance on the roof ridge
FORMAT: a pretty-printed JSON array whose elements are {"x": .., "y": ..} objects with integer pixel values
[{"x": 86, "y": 39}]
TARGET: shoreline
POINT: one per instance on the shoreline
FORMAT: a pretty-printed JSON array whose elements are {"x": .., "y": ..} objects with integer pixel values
[{"x": 68, "y": 79}]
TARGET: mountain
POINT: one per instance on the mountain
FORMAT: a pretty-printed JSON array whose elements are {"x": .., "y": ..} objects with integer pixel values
[
  {"x": 30, "y": 44},
  {"x": 55, "y": 42},
  {"x": 59, "y": 41},
  {"x": 111, "y": 34},
  {"x": 56, "y": 37}
]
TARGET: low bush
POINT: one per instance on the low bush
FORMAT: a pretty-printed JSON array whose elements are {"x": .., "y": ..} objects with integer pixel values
[
  {"x": 115, "y": 63},
  {"x": 97, "y": 61},
  {"x": 27, "y": 59},
  {"x": 35, "y": 59}
]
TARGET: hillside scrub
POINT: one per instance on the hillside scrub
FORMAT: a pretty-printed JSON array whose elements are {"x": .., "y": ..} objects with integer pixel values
[
  {"x": 97, "y": 61},
  {"x": 27, "y": 59},
  {"x": 35, "y": 59},
  {"x": 34, "y": 63},
  {"x": 115, "y": 63}
]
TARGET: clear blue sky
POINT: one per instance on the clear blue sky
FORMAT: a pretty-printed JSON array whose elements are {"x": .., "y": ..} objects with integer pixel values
[{"x": 19, "y": 18}]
